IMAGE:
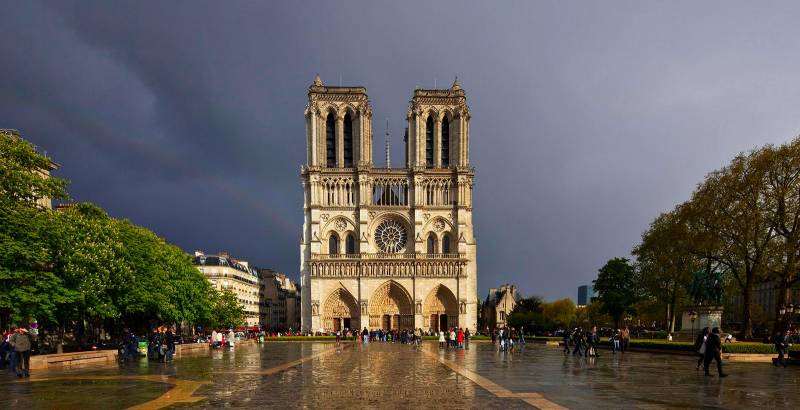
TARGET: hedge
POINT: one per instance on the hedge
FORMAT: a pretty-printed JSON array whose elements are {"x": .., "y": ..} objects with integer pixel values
[{"x": 738, "y": 347}]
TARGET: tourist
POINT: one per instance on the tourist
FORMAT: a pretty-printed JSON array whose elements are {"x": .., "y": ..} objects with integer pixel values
[
  {"x": 781, "y": 346},
  {"x": 365, "y": 335},
  {"x": 231, "y": 338},
  {"x": 565, "y": 337},
  {"x": 592, "y": 340},
  {"x": 625, "y": 338},
  {"x": 521, "y": 335},
  {"x": 577, "y": 340},
  {"x": 22, "y": 342},
  {"x": 615, "y": 342},
  {"x": 460, "y": 338},
  {"x": 338, "y": 337},
  {"x": 713, "y": 352},
  {"x": 452, "y": 337},
  {"x": 494, "y": 336},
  {"x": 441, "y": 339},
  {"x": 700, "y": 346},
  {"x": 501, "y": 339},
  {"x": 466, "y": 339},
  {"x": 169, "y": 341}
]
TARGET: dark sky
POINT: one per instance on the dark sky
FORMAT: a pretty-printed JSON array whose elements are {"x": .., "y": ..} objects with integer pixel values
[{"x": 588, "y": 119}]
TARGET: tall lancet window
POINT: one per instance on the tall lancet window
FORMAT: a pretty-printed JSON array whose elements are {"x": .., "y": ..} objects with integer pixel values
[
  {"x": 330, "y": 140},
  {"x": 348, "y": 141},
  {"x": 431, "y": 243},
  {"x": 445, "y": 143},
  {"x": 446, "y": 243},
  {"x": 333, "y": 245},
  {"x": 350, "y": 245},
  {"x": 429, "y": 142}
]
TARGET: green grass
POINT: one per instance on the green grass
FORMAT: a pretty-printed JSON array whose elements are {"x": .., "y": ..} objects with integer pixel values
[{"x": 739, "y": 347}]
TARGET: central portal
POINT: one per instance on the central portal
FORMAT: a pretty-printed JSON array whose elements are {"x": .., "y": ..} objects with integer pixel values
[{"x": 390, "y": 308}]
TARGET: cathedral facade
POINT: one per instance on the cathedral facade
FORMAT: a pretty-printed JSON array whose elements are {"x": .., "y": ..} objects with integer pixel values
[{"x": 387, "y": 248}]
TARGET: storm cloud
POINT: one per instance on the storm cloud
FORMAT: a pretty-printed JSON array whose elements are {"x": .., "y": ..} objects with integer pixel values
[{"x": 588, "y": 119}]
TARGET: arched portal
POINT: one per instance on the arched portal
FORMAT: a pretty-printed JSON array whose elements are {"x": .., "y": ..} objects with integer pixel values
[
  {"x": 440, "y": 310},
  {"x": 391, "y": 307},
  {"x": 340, "y": 311}
]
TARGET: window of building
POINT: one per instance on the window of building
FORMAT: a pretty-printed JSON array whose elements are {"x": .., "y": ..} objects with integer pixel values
[
  {"x": 429, "y": 142},
  {"x": 446, "y": 243},
  {"x": 350, "y": 244},
  {"x": 348, "y": 141},
  {"x": 333, "y": 245},
  {"x": 445, "y": 143},
  {"x": 502, "y": 315},
  {"x": 330, "y": 140},
  {"x": 431, "y": 244}
]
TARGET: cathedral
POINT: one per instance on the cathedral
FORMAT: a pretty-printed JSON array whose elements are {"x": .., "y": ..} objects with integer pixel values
[{"x": 387, "y": 248}]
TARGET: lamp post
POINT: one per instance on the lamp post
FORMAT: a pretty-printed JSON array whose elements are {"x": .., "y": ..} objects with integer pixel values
[{"x": 693, "y": 317}]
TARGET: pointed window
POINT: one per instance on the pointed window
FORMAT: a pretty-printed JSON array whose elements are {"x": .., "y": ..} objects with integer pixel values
[
  {"x": 445, "y": 143},
  {"x": 333, "y": 245},
  {"x": 431, "y": 244},
  {"x": 350, "y": 245},
  {"x": 330, "y": 140},
  {"x": 348, "y": 141},
  {"x": 429, "y": 142},
  {"x": 446, "y": 244}
]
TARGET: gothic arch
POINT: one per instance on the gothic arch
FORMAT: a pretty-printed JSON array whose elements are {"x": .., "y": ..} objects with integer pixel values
[
  {"x": 440, "y": 308},
  {"x": 331, "y": 225},
  {"x": 390, "y": 307},
  {"x": 340, "y": 311},
  {"x": 433, "y": 225}
]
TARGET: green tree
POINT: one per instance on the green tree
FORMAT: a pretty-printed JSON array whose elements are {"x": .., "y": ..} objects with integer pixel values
[
  {"x": 616, "y": 289},
  {"x": 28, "y": 286},
  {"x": 560, "y": 312},
  {"x": 665, "y": 263},
  {"x": 527, "y": 313},
  {"x": 229, "y": 312}
]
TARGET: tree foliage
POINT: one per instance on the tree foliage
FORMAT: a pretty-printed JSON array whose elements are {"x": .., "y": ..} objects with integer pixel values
[
  {"x": 616, "y": 289},
  {"x": 80, "y": 264},
  {"x": 743, "y": 220}
]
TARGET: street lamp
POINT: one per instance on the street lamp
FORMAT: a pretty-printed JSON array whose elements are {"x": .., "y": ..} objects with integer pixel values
[{"x": 693, "y": 317}]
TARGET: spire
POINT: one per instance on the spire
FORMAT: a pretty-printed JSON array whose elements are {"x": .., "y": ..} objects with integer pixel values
[
  {"x": 456, "y": 86},
  {"x": 388, "y": 156},
  {"x": 317, "y": 81}
]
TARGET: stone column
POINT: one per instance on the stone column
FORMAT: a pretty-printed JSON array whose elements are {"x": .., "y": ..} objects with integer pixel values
[
  {"x": 437, "y": 142},
  {"x": 339, "y": 141}
]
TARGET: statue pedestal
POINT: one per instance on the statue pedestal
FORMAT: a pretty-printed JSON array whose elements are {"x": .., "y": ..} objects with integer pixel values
[{"x": 707, "y": 316}]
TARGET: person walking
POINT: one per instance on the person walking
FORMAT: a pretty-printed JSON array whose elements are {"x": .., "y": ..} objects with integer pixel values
[
  {"x": 365, "y": 335},
  {"x": 625, "y": 338},
  {"x": 781, "y": 346},
  {"x": 713, "y": 352},
  {"x": 591, "y": 343},
  {"x": 494, "y": 336},
  {"x": 466, "y": 339},
  {"x": 169, "y": 340},
  {"x": 441, "y": 339},
  {"x": 522, "y": 335},
  {"x": 615, "y": 342},
  {"x": 22, "y": 343},
  {"x": 577, "y": 339},
  {"x": 565, "y": 338},
  {"x": 700, "y": 346},
  {"x": 460, "y": 338}
]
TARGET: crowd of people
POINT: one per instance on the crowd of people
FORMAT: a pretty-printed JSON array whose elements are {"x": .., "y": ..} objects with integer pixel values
[{"x": 15, "y": 351}]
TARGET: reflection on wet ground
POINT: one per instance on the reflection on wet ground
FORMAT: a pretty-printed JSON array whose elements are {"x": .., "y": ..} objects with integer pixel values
[{"x": 318, "y": 375}]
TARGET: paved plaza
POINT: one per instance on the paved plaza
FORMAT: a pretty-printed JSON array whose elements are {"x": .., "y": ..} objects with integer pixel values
[{"x": 317, "y": 375}]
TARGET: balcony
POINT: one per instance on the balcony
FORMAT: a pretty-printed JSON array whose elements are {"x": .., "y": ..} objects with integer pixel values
[
  {"x": 389, "y": 265},
  {"x": 386, "y": 256}
]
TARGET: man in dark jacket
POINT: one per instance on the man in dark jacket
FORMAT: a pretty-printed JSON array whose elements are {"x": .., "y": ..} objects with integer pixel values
[
  {"x": 22, "y": 342},
  {"x": 781, "y": 345},
  {"x": 713, "y": 352}
]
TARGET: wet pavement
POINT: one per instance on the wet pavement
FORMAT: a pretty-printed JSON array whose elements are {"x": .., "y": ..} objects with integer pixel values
[{"x": 318, "y": 375}]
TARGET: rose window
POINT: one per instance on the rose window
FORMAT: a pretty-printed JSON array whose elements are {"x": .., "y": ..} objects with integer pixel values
[{"x": 390, "y": 236}]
